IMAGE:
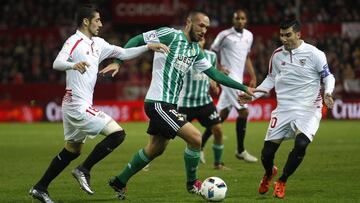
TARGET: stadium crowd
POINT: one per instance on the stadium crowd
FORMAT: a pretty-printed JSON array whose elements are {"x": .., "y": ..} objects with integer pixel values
[{"x": 28, "y": 58}]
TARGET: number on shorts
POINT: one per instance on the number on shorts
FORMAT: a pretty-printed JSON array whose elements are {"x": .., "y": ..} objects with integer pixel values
[
  {"x": 273, "y": 122},
  {"x": 91, "y": 110}
]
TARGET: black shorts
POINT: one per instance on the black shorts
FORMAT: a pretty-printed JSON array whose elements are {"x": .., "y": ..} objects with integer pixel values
[
  {"x": 207, "y": 115},
  {"x": 164, "y": 119}
]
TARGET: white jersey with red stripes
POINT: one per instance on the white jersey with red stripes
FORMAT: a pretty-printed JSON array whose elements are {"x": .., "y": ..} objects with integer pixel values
[
  {"x": 77, "y": 48},
  {"x": 233, "y": 47},
  {"x": 296, "y": 76}
]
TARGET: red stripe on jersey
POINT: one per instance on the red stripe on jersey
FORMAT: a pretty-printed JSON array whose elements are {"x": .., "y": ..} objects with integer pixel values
[
  {"x": 272, "y": 55},
  {"x": 75, "y": 45},
  {"x": 225, "y": 37}
]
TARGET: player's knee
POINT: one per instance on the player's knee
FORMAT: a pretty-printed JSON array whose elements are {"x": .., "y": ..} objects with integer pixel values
[
  {"x": 243, "y": 113},
  {"x": 67, "y": 156},
  {"x": 73, "y": 147},
  {"x": 195, "y": 141},
  {"x": 269, "y": 149},
  {"x": 116, "y": 138},
  {"x": 301, "y": 142},
  {"x": 217, "y": 130}
]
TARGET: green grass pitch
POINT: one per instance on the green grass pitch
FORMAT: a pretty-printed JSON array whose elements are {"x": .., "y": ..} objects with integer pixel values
[{"x": 330, "y": 171}]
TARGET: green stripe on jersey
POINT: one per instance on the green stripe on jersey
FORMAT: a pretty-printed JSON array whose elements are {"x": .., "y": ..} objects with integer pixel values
[
  {"x": 169, "y": 70},
  {"x": 195, "y": 91}
]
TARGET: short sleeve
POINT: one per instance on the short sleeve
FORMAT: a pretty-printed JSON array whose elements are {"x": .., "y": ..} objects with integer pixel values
[
  {"x": 201, "y": 63},
  {"x": 163, "y": 35},
  {"x": 216, "y": 45}
]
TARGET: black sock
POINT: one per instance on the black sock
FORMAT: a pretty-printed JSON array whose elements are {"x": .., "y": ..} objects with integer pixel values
[
  {"x": 102, "y": 149},
  {"x": 267, "y": 156},
  {"x": 295, "y": 157},
  {"x": 240, "y": 133},
  {"x": 205, "y": 137},
  {"x": 56, "y": 166}
]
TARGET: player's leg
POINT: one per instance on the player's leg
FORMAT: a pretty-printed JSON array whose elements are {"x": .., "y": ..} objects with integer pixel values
[
  {"x": 210, "y": 118},
  {"x": 72, "y": 149},
  {"x": 70, "y": 152},
  {"x": 218, "y": 146},
  {"x": 155, "y": 147},
  {"x": 279, "y": 128},
  {"x": 224, "y": 105},
  {"x": 115, "y": 135},
  {"x": 304, "y": 127},
  {"x": 294, "y": 160},
  {"x": 208, "y": 131},
  {"x": 164, "y": 124},
  {"x": 192, "y": 137},
  {"x": 295, "y": 156},
  {"x": 241, "y": 122},
  {"x": 267, "y": 159}
]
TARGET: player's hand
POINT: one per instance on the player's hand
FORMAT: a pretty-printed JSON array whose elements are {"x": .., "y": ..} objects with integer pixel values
[
  {"x": 114, "y": 68},
  {"x": 252, "y": 82},
  {"x": 329, "y": 101},
  {"x": 244, "y": 98},
  {"x": 250, "y": 91},
  {"x": 81, "y": 67},
  {"x": 224, "y": 70},
  {"x": 159, "y": 47}
]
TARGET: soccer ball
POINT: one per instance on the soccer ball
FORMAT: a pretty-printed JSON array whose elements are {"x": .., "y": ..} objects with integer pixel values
[{"x": 213, "y": 189}]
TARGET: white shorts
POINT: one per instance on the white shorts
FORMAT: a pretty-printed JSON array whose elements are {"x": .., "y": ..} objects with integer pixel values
[
  {"x": 83, "y": 121},
  {"x": 284, "y": 124},
  {"x": 228, "y": 99}
]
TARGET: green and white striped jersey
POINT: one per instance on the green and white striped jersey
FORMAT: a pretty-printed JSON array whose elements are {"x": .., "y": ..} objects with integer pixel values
[
  {"x": 195, "y": 91},
  {"x": 169, "y": 69}
]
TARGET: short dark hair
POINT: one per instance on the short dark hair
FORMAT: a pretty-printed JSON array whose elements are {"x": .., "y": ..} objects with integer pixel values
[
  {"x": 291, "y": 22},
  {"x": 240, "y": 11},
  {"x": 85, "y": 11},
  {"x": 194, "y": 13}
]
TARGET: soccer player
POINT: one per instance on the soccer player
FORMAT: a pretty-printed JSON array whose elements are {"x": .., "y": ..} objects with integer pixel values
[
  {"x": 163, "y": 94},
  {"x": 295, "y": 70},
  {"x": 80, "y": 57},
  {"x": 195, "y": 102},
  {"x": 232, "y": 47}
]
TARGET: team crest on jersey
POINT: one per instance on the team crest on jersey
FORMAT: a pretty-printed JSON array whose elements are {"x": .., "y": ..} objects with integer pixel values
[
  {"x": 150, "y": 36},
  {"x": 302, "y": 62}
]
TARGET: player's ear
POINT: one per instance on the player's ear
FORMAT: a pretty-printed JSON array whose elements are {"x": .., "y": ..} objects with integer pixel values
[
  {"x": 86, "y": 22},
  {"x": 298, "y": 35},
  {"x": 188, "y": 21}
]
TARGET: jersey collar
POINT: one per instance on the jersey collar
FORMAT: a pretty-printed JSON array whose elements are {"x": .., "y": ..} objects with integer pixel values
[{"x": 84, "y": 37}]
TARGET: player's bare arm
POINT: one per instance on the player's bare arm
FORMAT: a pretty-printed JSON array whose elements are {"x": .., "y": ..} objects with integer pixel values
[
  {"x": 159, "y": 47},
  {"x": 114, "y": 67},
  {"x": 251, "y": 71},
  {"x": 81, "y": 67},
  {"x": 214, "y": 88}
]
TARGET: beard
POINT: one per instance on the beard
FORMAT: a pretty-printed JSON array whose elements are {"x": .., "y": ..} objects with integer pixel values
[{"x": 193, "y": 35}]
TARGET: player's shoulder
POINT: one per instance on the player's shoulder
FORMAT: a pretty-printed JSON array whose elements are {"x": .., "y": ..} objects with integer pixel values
[
  {"x": 248, "y": 33},
  {"x": 277, "y": 51},
  {"x": 166, "y": 30},
  {"x": 73, "y": 38},
  {"x": 313, "y": 50},
  {"x": 226, "y": 32}
]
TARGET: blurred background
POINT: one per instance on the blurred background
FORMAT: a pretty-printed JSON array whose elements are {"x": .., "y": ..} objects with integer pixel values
[{"x": 32, "y": 32}]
